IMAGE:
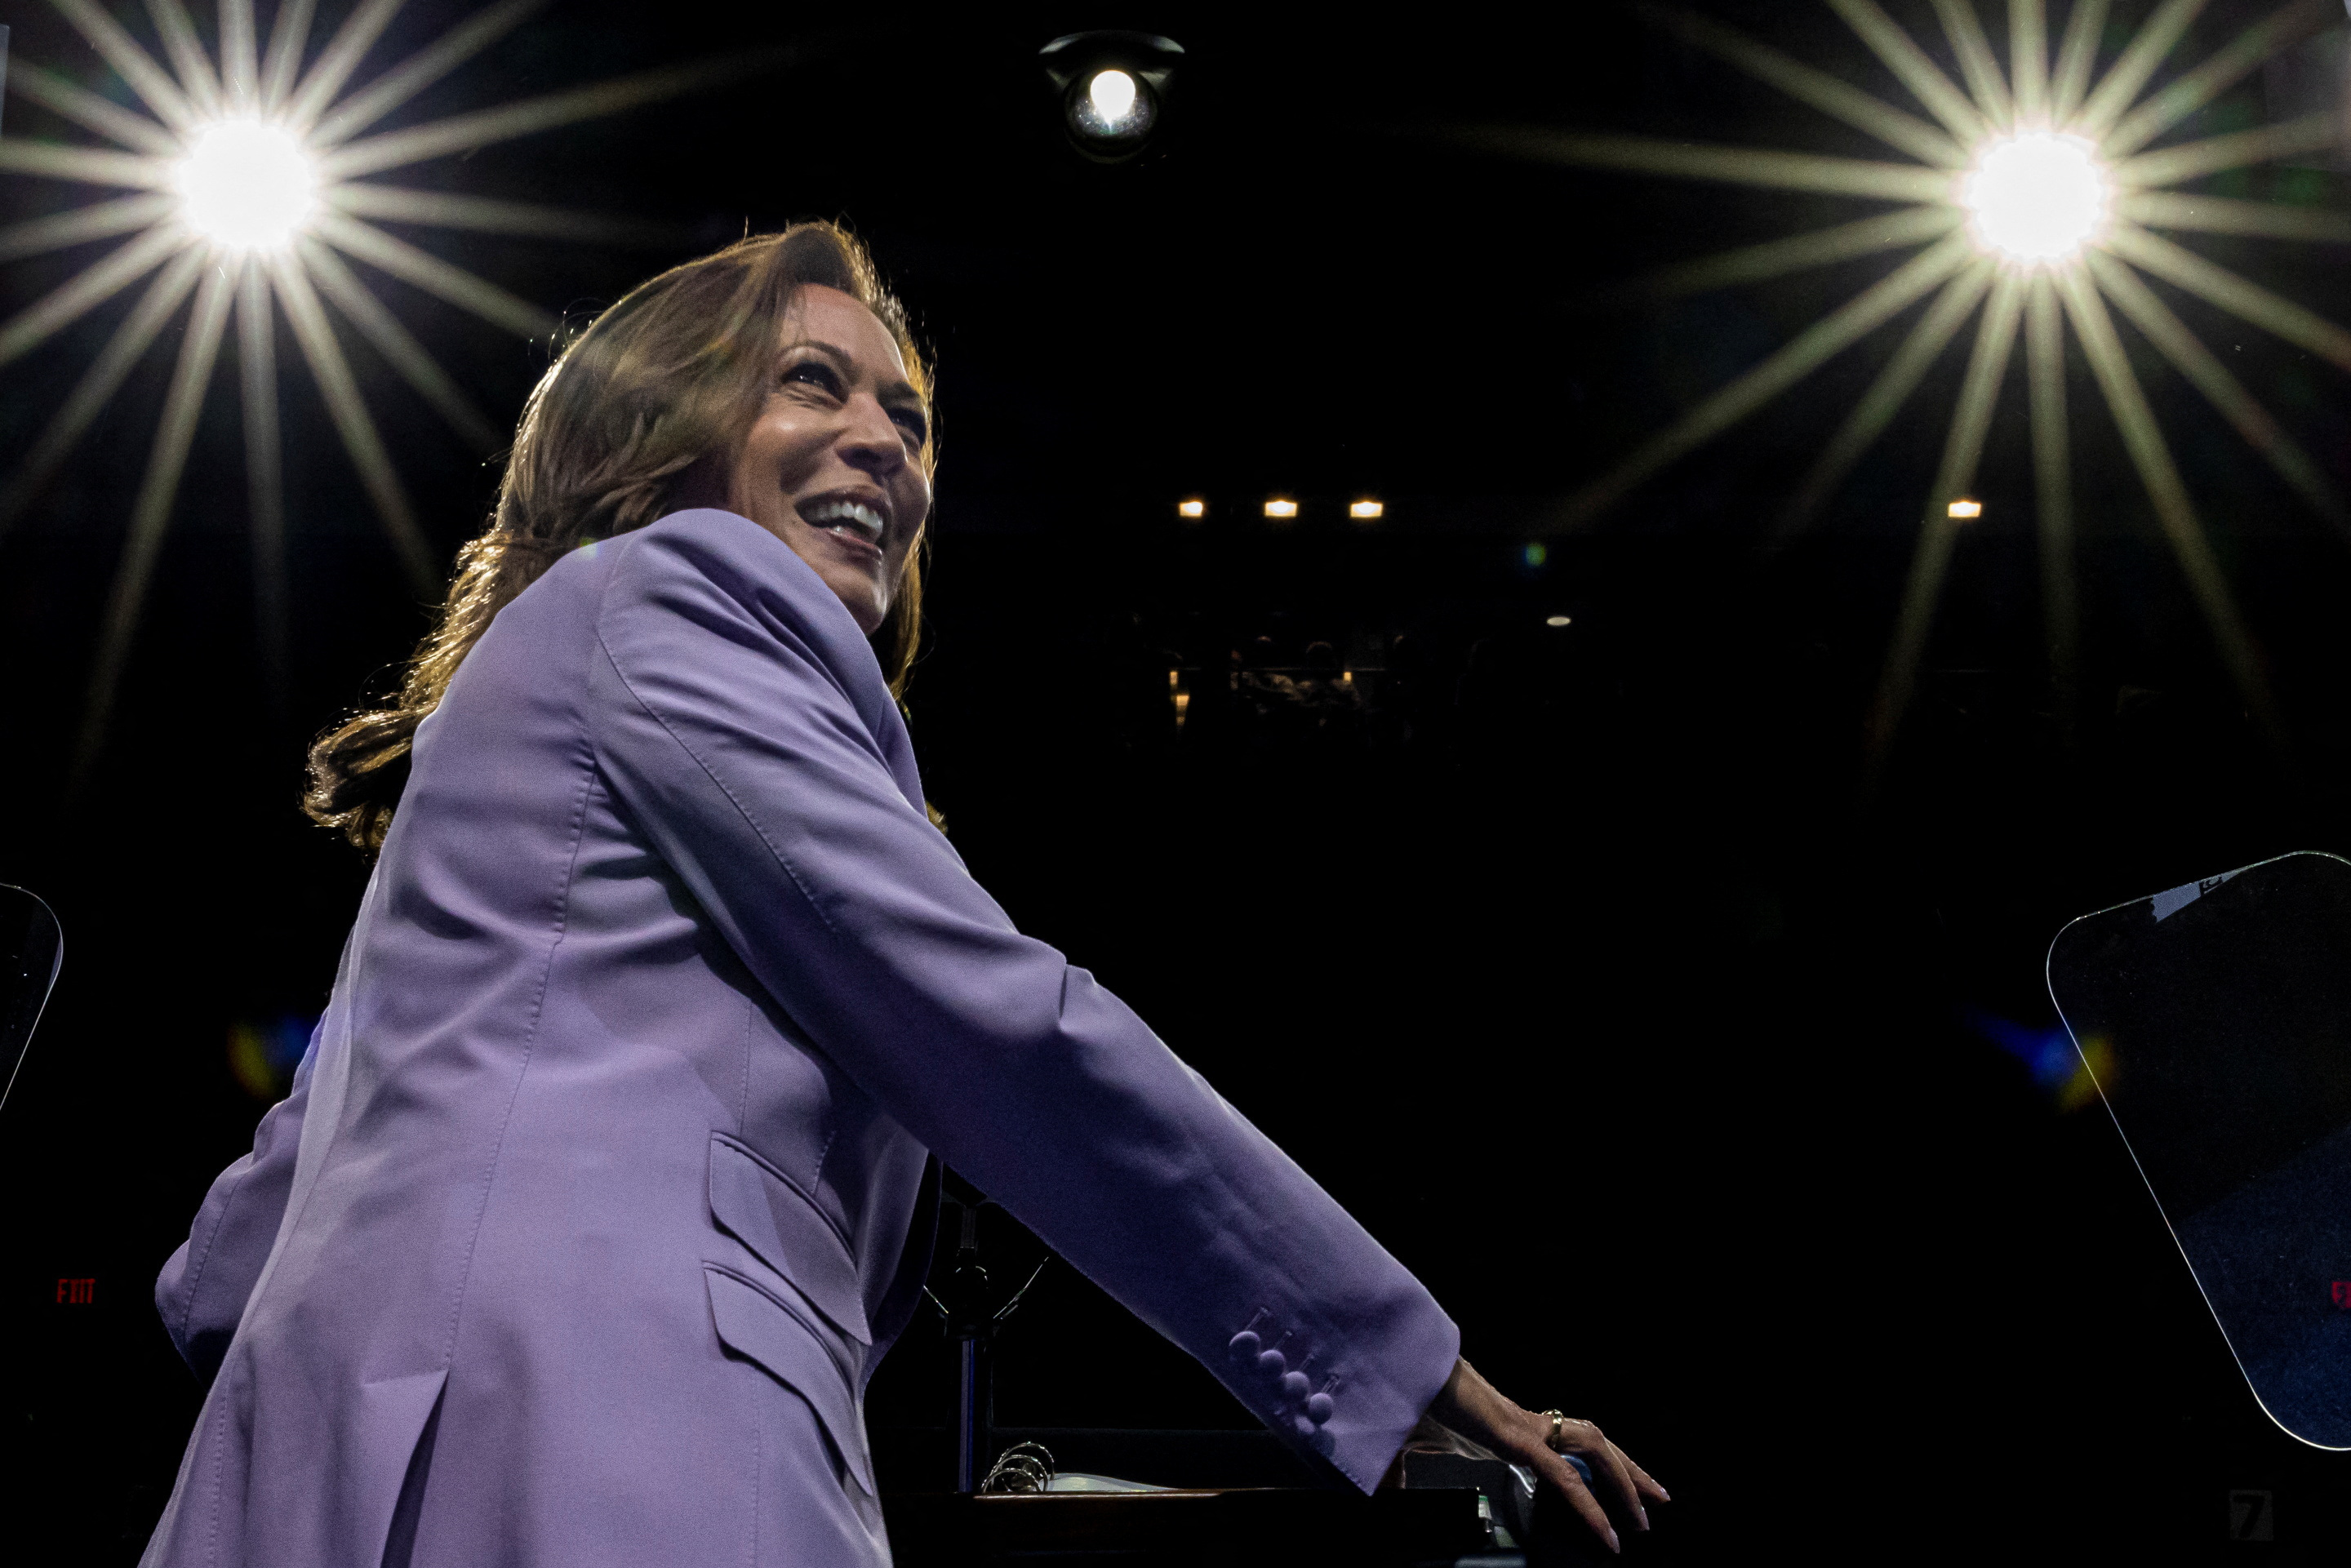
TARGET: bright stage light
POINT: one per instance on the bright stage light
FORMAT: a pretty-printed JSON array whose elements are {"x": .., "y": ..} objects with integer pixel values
[
  {"x": 246, "y": 185},
  {"x": 1964, "y": 511},
  {"x": 2037, "y": 197},
  {"x": 2066, "y": 209},
  {"x": 1558, "y": 620},
  {"x": 1366, "y": 511},
  {"x": 1191, "y": 508},
  {"x": 1281, "y": 508},
  {"x": 1113, "y": 93},
  {"x": 243, "y": 209},
  {"x": 1114, "y": 112}
]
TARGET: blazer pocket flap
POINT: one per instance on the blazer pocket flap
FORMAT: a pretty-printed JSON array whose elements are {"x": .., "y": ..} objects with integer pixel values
[
  {"x": 757, "y": 1327},
  {"x": 765, "y": 1211}
]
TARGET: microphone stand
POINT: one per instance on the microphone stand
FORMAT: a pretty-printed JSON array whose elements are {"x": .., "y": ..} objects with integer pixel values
[{"x": 971, "y": 1322}]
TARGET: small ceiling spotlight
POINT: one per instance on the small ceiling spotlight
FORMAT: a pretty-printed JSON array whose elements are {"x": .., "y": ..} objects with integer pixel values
[
  {"x": 1559, "y": 619},
  {"x": 1113, "y": 89},
  {"x": 1191, "y": 508},
  {"x": 1365, "y": 511},
  {"x": 1279, "y": 507},
  {"x": 1963, "y": 510}
]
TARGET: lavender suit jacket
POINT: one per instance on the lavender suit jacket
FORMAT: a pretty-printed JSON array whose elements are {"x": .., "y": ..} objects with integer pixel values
[{"x": 608, "y": 1175}]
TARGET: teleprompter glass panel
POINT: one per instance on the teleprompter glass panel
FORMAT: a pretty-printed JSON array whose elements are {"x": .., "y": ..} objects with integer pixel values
[
  {"x": 31, "y": 947},
  {"x": 2216, "y": 1018}
]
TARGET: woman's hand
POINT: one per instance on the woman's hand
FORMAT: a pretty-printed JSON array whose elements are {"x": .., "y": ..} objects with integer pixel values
[{"x": 1475, "y": 1408}]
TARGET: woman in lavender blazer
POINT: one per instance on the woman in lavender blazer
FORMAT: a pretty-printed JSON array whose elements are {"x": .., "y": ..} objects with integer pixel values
[{"x": 610, "y": 1173}]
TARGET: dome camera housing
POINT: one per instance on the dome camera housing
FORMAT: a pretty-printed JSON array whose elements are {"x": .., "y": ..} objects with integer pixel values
[{"x": 1112, "y": 87}]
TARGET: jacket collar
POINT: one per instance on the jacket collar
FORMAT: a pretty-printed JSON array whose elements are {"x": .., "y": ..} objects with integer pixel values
[{"x": 833, "y": 635}]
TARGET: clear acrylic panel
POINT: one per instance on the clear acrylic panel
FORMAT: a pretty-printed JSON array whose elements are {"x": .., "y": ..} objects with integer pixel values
[
  {"x": 31, "y": 948},
  {"x": 2216, "y": 1018}
]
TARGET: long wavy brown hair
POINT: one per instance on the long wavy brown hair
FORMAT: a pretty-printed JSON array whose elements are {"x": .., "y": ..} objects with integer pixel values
[{"x": 676, "y": 371}]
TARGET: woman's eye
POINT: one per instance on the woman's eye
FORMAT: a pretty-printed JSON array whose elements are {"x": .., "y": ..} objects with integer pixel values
[
  {"x": 917, "y": 428},
  {"x": 814, "y": 373}
]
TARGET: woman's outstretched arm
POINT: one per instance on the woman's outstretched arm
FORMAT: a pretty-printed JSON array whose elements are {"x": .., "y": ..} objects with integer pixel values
[{"x": 742, "y": 722}]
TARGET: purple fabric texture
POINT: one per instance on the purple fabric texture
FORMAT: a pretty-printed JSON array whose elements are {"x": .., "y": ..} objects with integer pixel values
[{"x": 617, "y": 1146}]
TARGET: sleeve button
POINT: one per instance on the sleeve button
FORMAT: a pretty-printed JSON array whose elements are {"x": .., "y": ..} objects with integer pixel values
[
  {"x": 1243, "y": 1346},
  {"x": 1319, "y": 1408},
  {"x": 1273, "y": 1362},
  {"x": 1294, "y": 1386}
]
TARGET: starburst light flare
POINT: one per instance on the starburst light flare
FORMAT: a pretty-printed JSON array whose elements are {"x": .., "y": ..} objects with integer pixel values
[
  {"x": 2050, "y": 166},
  {"x": 2037, "y": 197},
  {"x": 248, "y": 186}
]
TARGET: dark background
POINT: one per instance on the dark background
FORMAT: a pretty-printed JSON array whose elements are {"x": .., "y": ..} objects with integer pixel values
[{"x": 1575, "y": 961}]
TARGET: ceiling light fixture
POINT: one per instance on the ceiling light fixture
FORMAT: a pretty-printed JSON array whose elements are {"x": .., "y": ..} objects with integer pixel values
[{"x": 1112, "y": 87}]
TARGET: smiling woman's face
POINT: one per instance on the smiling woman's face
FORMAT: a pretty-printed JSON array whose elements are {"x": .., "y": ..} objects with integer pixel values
[{"x": 833, "y": 465}]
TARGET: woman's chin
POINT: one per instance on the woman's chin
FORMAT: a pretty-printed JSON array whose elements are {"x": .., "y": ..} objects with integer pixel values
[{"x": 866, "y": 604}]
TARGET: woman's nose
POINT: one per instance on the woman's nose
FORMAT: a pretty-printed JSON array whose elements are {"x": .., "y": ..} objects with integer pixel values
[{"x": 872, "y": 443}]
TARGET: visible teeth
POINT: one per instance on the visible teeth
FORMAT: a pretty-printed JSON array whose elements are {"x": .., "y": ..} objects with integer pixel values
[{"x": 839, "y": 516}]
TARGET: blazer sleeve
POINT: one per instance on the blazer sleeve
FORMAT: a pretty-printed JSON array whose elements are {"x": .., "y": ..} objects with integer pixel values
[
  {"x": 726, "y": 728},
  {"x": 202, "y": 1290}
]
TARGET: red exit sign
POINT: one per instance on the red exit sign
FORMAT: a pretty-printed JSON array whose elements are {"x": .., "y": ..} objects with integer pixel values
[{"x": 84, "y": 1292}]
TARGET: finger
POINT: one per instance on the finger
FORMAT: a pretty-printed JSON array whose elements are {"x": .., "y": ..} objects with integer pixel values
[
  {"x": 1569, "y": 1485},
  {"x": 1611, "y": 1469},
  {"x": 1647, "y": 1482}
]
